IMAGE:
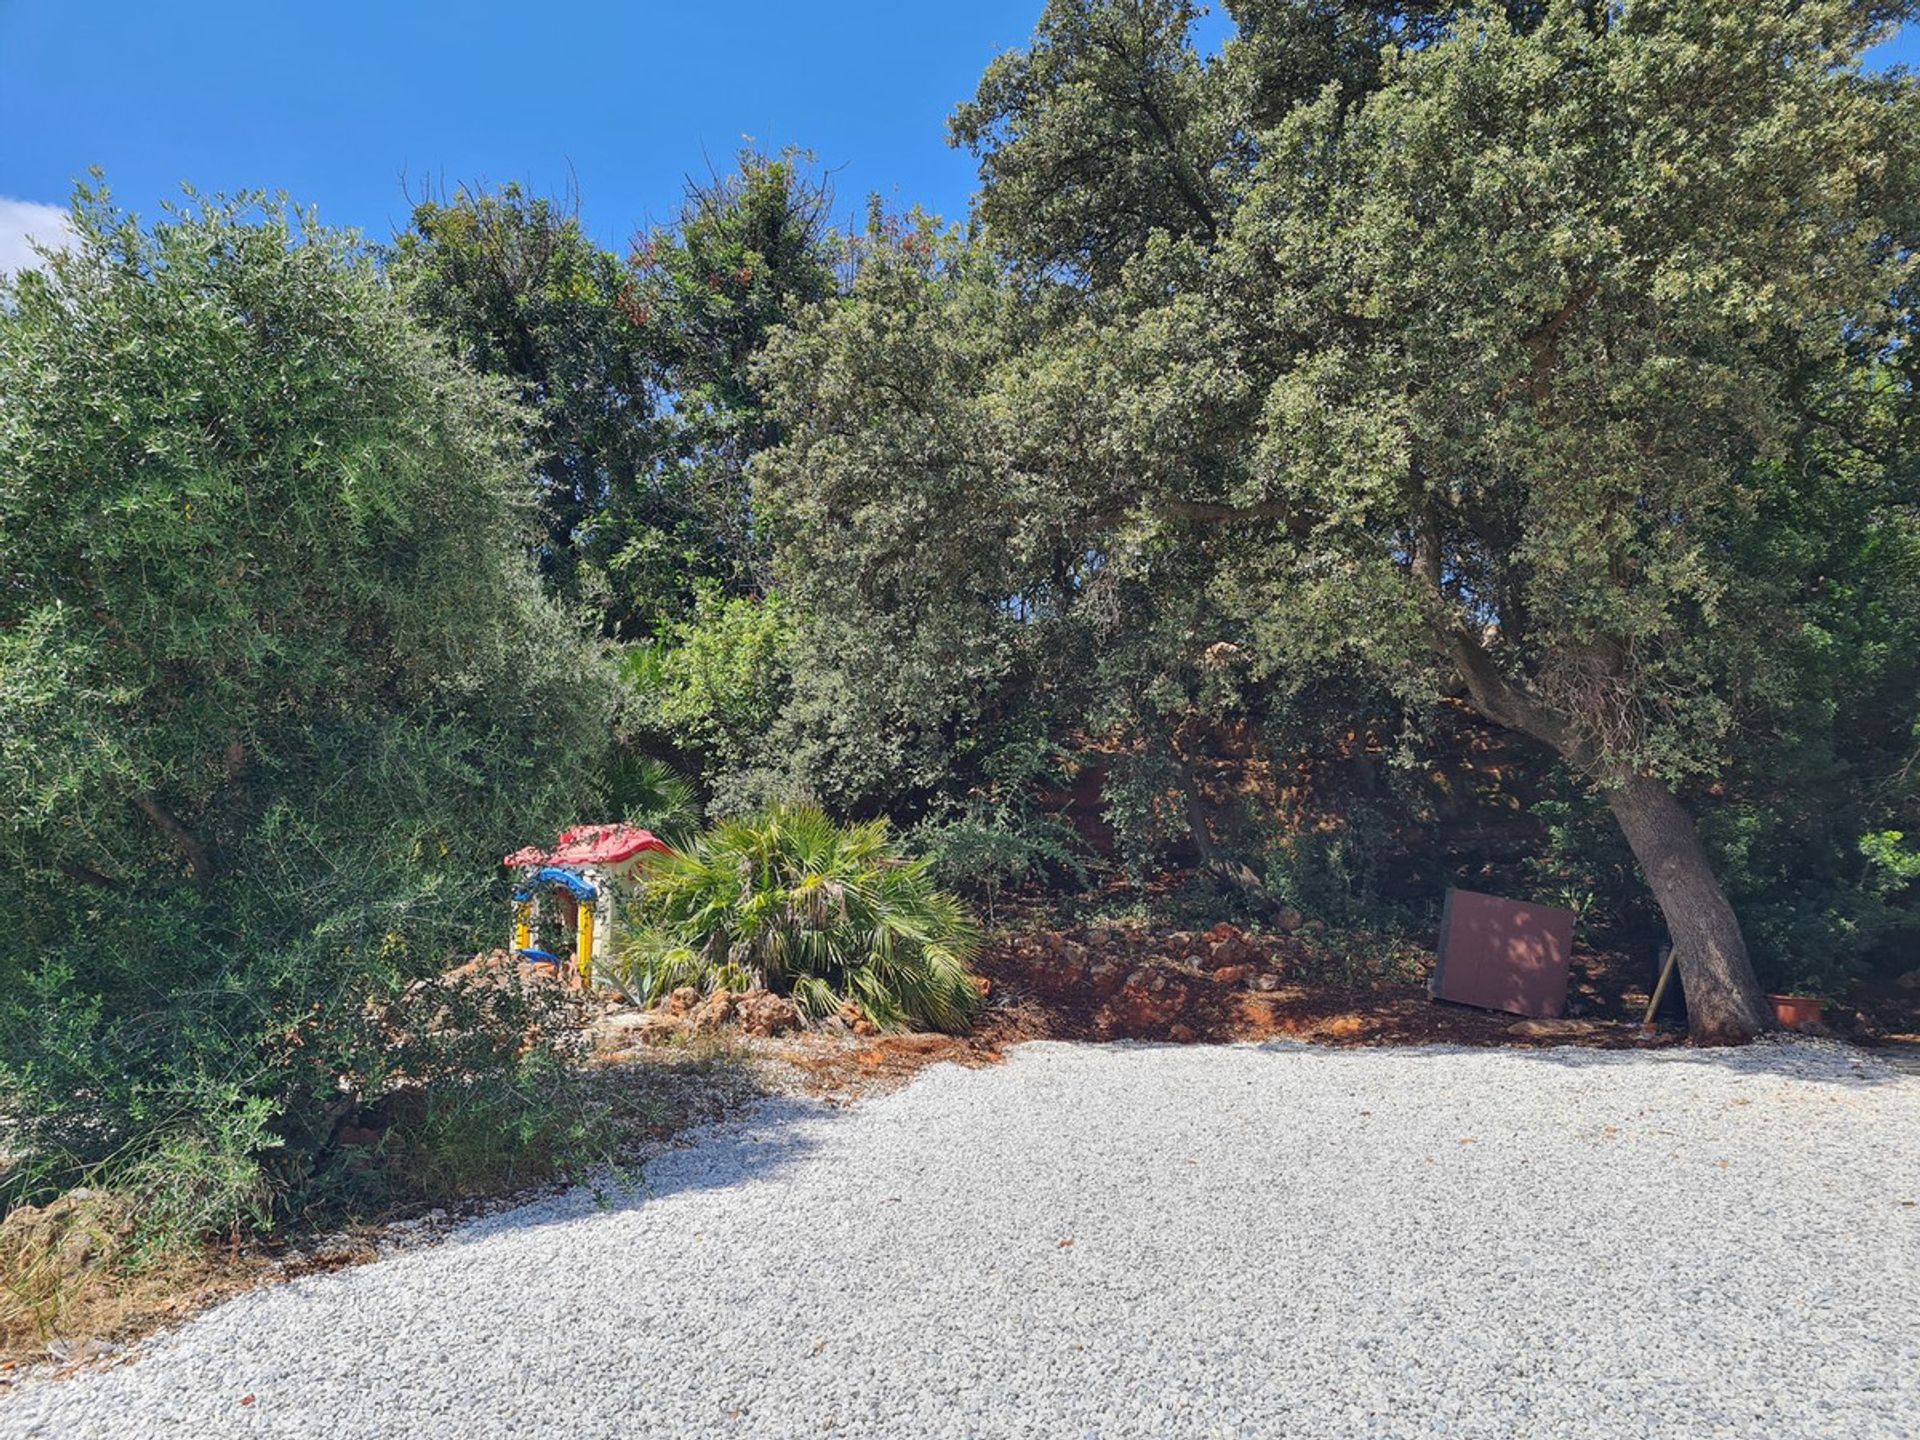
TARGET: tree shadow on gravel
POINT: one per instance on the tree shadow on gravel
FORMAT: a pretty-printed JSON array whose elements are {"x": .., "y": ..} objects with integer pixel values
[
  {"x": 772, "y": 1136},
  {"x": 1821, "y": 1062},
  {"x": 775, "y": 1133}
]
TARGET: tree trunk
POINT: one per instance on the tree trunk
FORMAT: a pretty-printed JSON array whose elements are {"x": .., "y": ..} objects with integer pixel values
[
  {"x": 1212, "y": 859},
  {"x": 1725, "y": 1005}
]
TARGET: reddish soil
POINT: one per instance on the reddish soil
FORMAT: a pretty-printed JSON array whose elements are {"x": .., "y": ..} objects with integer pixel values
[
  {"x": 1138, "y": 982},
  {"x": 848, "y": 1065}
]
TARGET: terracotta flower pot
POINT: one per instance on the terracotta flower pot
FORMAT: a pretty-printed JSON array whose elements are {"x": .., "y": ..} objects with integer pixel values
[{"x": 1796, "y": 1012}]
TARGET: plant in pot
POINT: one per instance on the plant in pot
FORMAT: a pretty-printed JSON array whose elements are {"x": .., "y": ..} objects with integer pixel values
[{"x": 1806, "y": 990}]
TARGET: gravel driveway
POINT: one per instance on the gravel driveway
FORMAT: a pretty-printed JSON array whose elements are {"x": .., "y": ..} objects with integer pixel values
[{"x": 1147, "y": 1241}]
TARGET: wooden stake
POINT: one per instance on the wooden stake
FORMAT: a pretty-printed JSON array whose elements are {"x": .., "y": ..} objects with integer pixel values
[{"x": 1660, "y": 988}]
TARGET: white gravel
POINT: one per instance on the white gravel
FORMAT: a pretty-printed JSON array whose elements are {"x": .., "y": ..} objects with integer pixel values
[{"x": 1268, "y": 1241}]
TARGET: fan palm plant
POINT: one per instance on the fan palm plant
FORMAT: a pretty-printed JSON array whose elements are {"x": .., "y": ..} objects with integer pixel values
[
  {"x": 821, "y": 912},
  {"x": 642, "y": 790}
]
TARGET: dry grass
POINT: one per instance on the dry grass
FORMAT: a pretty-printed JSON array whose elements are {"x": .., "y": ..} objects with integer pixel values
[{"x": 71, "y": 1289}]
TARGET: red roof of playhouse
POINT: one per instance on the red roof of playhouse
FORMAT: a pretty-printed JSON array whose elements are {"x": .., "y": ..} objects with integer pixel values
[{"x": 590, "y": 845}]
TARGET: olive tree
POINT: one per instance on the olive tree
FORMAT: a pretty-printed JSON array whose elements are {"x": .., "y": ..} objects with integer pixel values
[{"x": 277, "y": 682}]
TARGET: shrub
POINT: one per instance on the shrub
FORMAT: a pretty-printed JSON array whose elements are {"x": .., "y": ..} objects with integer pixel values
[
  {"x": 825, "y": 913},
  {"x": 998, "y": 836},
  {"x": 277, "y": 689},
  {"x": 1338, "y": 874},
  {"x": 643, "y": 790},
  {"x": 712, "y": 685}
]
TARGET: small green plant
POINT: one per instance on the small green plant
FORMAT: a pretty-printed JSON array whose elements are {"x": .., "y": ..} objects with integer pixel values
[
  {"x": 1340, "y": 874},
  {"x": 822, "y": 912},
  {"x": 998, "y": 837}
]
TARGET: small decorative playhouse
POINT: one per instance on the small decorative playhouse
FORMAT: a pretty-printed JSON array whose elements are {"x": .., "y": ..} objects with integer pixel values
[{"x": 565, "y": 896}]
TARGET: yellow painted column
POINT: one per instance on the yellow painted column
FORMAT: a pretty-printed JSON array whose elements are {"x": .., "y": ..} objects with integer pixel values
[
  {"x": 585, "y": 959},
  {"x": 523, "y": 925}
]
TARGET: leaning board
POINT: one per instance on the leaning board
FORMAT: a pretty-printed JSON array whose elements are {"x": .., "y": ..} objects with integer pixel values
[{"x": 1503, "y": 955}]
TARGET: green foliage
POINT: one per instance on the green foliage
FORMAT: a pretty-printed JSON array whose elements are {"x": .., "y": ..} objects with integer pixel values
[
  {"x": 747, "y": 251},
  {"x": 1583, "y": 864},
  {"x": 638, "y": 376},
  {"x": 711, "y": 686},
  {"x": 793, "y": 902},
  {"x": 923, "y": 596},
  {"x": 1339, "y": 874},
  {"x": 1111, "y": 134},
  {"x": 1140, "y": 803},
  {"x": 187, "y": 1186},
  {"x": 519, "y": 291},
  {"x": 502, "y": 1114},
  {"x": 277, "y": 689},
  {"x": 652, "y": 794},
  {"x": 997, "y": 836},
  {"x": 1477, "y": 352},
  {"x": 1098, "y": 137},
  {"x": 1895, "y": 864}
]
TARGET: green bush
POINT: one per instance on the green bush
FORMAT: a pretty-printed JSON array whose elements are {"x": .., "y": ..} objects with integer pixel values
[
  {"x": 277, "y": 690},
  {"x": 997, "y": 836},
  {"x": 711, "y": 686},
  {"x": 1339, "y": 874},
  {"x": 826, "y": 913}
]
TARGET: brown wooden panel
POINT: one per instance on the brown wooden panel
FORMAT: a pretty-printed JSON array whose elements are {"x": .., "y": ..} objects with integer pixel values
[{"x": 1503, "y": 954}]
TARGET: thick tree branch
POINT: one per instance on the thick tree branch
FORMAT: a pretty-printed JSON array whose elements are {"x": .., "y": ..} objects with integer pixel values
[
  {"x": 87, "y": 875},
  {"x": 1495, "y": 696},
  {"x": 1500, "y": 699},
  {"x": 199, "y": 862},
  {"x": 1543, "y": 341}
]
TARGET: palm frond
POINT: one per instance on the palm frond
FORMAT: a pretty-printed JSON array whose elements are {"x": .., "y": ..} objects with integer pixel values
[{"x": 825, "y": 912}]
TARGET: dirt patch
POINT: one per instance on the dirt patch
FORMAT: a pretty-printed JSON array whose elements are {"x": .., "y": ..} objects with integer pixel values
[{"x": 1144, "y": 982}]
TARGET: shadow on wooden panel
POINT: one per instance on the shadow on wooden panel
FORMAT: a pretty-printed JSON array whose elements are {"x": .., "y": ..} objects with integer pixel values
[{"x": 1501, "y": 954}]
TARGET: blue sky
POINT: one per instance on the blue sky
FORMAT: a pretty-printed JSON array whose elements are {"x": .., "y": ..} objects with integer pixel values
[{"x": 343, "y": 105}]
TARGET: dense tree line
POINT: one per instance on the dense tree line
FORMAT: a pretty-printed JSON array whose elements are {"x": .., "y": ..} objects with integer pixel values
[
  {"x": 1398, "y": 382},
  {"x": 1510, "y": 360}
]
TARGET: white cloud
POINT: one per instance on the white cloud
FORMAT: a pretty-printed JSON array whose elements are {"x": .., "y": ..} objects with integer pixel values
[{"x": 21, "y": 218}]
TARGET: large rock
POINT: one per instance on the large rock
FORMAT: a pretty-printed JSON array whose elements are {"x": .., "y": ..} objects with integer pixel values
[
  {"x": 1105, "y": 979},
  {"x": 761, "y": 1012},
  {"x": 855, "y": 1019},
  {"x": 1231, "y": 951},
  {"x": 712, "y": 1013},
  {"x": 75, "y": 1233}
]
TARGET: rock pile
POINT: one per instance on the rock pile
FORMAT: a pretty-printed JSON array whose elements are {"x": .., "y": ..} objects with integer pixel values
[
  {"x": 1130, "y": 981},
  {"x": 687, "y": 1012}
]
